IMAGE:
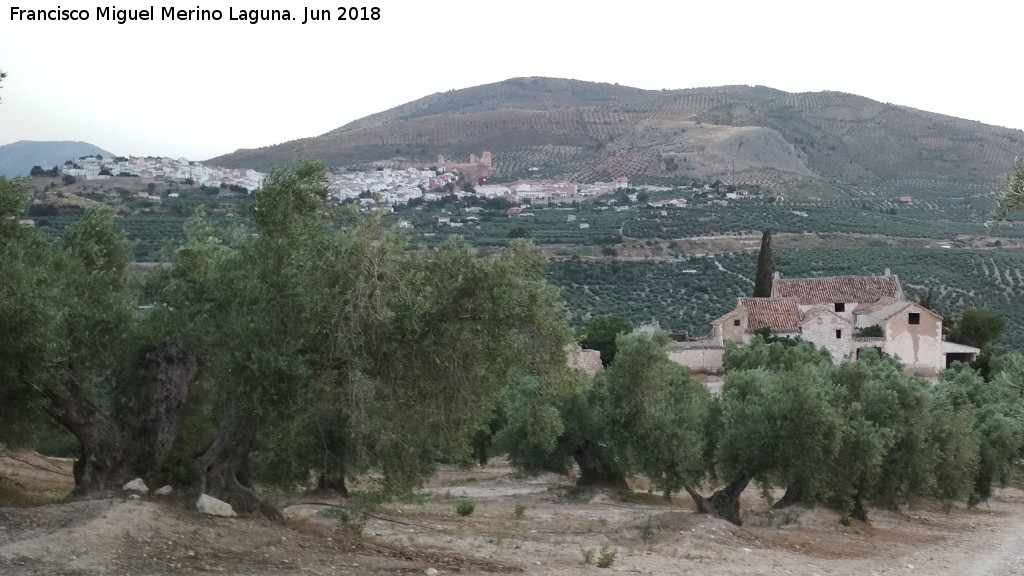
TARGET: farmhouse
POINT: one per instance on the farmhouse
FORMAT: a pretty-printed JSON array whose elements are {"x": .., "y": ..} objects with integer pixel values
[{"x": 842, "y": 315}]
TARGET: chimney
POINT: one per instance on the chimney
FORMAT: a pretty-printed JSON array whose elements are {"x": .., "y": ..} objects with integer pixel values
[
  {"x": 776, "y": 275},
  {"x": 888, "y": 272}
]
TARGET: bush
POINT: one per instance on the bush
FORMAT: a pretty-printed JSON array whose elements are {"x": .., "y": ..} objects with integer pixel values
[
  {"x": 465, "y": 508},
  {"x": 606, "y": 557},
  {"x": 588, "y": 555},
  {"x": 869, "y": 332},
  {"x": 519, "y": 510}
]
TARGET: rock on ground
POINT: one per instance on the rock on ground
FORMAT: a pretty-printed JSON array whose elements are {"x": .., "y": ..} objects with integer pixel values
[
  {"x": 136, "y": 485},
  {"x": 213, "y": 507}
]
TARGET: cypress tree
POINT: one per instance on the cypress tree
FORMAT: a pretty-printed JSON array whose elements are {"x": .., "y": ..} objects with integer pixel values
[{"x": 765, "y": 267}]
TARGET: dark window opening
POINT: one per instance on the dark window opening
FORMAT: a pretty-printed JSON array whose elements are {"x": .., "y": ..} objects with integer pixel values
[
  {"x": 736, "y": 322},
  {"x": 839, "y": 333},
  {"x": 914, "y": 318},
  {"x": 840, "y": 306}
]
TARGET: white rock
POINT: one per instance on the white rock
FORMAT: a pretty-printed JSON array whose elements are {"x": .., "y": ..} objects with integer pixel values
[
  {"x": 135, "y": 497},
  {"x": 213, "y": 507},
  {"x": 166, "y": 490},
  {"x": 136, "y": 485},
  {"x": 431, "y": 572}
]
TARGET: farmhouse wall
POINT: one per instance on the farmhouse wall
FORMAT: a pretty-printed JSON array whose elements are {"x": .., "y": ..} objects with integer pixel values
[
  {"x": 731, "y": 332},
  {"x": 918, "y": 346},
  {"x": 821, "y": 330}
]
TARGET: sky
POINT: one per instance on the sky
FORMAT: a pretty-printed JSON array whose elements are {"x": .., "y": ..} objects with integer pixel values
[{"x": 198, "y": 89}]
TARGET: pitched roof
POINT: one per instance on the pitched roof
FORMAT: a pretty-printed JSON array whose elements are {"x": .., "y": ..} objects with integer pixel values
[
  {"x": 886, "y": 312},
  {"x": 838, "y": 289},
  {"x": 780, "y": 315},
  {"x": 821, "y": 310}
]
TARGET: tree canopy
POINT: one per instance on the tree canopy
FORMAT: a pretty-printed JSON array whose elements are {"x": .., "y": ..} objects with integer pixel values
[
  {"x": 323, "y": 342},
  {"x": 978, "y": 327},
  {"x": 601, "y": 334}
]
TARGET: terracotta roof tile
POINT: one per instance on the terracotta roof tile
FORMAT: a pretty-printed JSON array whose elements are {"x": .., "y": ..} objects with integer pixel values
[
  {"x": 780, "y": 315},
  {"x": 840, "y": 289}
]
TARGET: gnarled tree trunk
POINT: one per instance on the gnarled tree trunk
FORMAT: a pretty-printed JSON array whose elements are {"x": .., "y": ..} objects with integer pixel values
[
  {"x": 224, "y": 468},
  {"x": 101, "y": 461},
  {"x": 794, "y": 494},
  {"x": 859, "y": 511},
  {"x": 724, "y": 503},
  {"x": 332, "y": 482},
  {"x": 594, "y": 471},
  {"x": 171, "y": 371}
]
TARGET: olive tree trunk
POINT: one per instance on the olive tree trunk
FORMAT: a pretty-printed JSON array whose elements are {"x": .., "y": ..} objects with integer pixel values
[
  {"x": 593, "y": 470},
  {"x": 223, "y": 470},
  {"x": 171, "y": 372},
  {"x": 724, "y": 503},
  {"x": 100, "y": 465}
]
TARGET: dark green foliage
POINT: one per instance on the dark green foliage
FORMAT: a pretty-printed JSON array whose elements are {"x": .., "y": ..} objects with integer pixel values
[
  {"x": 465, "y": 508},
  {"x": 995, "y": 412},
  {"x": 27, "y": 293},
  {"x": 352, "y": 350},
  {"x": 978, "y": 327},
  {"x": 644, "y": 414},
  {"x": 874, "y": 331},
  {"x": 601, "y": 333},
  {"x": 765, "y": 267}
]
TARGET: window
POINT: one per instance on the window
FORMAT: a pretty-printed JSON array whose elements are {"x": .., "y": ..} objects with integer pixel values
[
  {"x": 840, "y": 306},
  {"x": 736, "y": 322},
  {"x": 914, "y": 318},
  {"x": 839, "y": 333}
]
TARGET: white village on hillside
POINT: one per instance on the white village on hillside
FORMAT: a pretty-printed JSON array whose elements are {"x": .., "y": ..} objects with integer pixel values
[{"x": 380, "y": 188}]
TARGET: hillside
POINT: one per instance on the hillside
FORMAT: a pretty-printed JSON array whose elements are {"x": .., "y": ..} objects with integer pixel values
[
  {"x": 589, "y": 131},
  {"x": 17, "y": 159}
]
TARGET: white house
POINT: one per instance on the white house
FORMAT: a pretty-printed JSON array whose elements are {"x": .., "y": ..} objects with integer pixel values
[{"x": 844, "y": 315}]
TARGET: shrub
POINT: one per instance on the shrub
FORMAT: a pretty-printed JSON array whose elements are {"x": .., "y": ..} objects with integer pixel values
[
  {"x": 606, "y": 557},
  {"x": 588, "y": 555},
  {"x": 465, "y": 508},
  {"x": 519, "y": 510}
]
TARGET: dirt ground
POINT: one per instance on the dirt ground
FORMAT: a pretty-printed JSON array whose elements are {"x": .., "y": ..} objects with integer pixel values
[{"x": 163, "y": 536}]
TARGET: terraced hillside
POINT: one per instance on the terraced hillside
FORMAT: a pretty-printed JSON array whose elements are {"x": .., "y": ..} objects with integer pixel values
[{"x": 589, "y": 131}]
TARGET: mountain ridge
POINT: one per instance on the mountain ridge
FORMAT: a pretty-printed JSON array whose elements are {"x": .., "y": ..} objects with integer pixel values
[
  {"x": 18, "y": 158},
  {"x": 588, "y": 131}
]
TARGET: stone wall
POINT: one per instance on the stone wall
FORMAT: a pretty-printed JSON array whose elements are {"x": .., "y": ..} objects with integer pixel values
[{"x": 704, "y": 359}]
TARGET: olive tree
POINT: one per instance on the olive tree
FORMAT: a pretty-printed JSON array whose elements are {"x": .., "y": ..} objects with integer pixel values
[
  {"x": 643, "y": 415},
  {"x": 66, "y": 310},
  {"x": 326, "y": 345}
]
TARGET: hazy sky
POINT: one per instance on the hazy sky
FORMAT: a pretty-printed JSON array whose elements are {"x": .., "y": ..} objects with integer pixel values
[{"x": 200, "y": 89}]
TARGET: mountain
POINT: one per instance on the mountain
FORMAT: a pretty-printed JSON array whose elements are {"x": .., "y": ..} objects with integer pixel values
[
  {"x": 589, "y": 131},
  {"x": 17, "y": 159}
]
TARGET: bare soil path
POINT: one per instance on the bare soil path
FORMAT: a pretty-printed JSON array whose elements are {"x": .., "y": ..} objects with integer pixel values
[{"x": 158, "y": 537}]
